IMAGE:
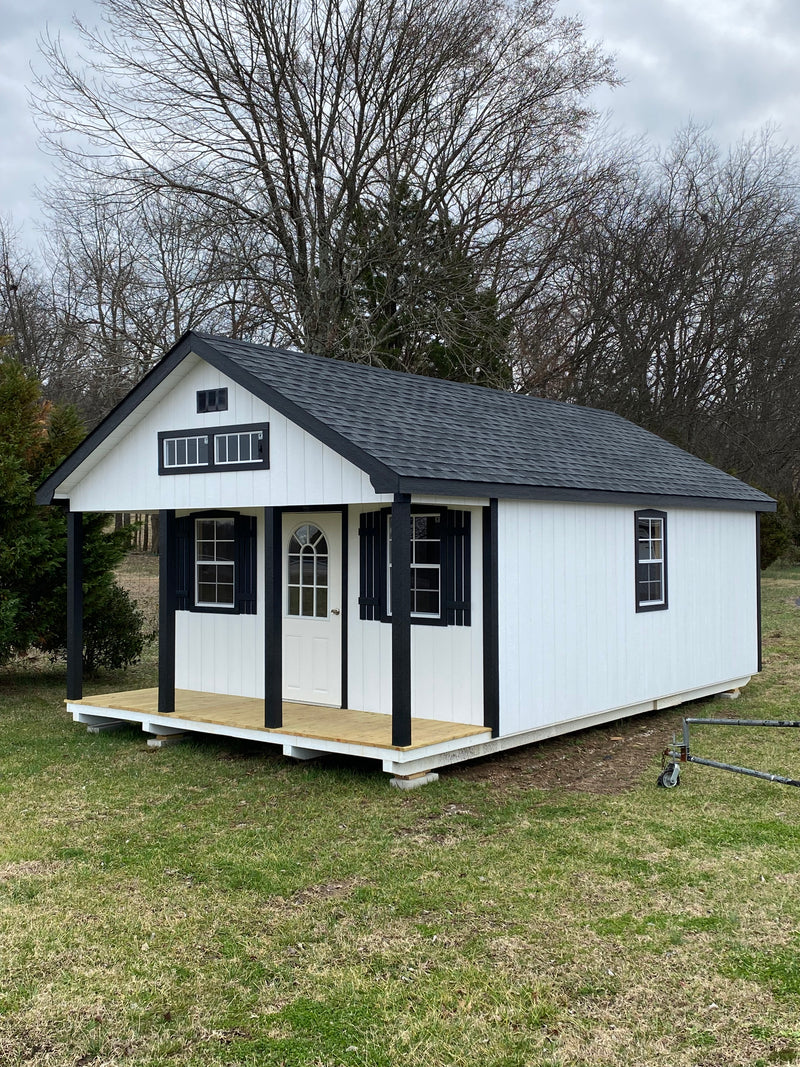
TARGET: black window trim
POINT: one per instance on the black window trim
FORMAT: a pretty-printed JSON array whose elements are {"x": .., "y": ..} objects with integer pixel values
[
  {"x": 650, "y": 513},
  {"x": 383, "y": 543},
  {"x": 220, "y": 400},
  {"x": 190, "y": 575},
  {"x": 211, "y": 433}
]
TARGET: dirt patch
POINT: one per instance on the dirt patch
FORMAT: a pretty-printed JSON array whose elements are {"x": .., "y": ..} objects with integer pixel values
[{"x": 605, "y": 759}]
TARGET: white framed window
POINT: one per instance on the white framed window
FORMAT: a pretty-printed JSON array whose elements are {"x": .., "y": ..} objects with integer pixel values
[
  {"x": 426, "y": 565},
  {"x": 185, "y": 451},
  {"x": 651, "y": 560},
  {"x": 228, "y": 448},
  {"x": 238, "y": 448},
  {"x": 307, "y": 586},
  {"x": 215, "y": 569}
]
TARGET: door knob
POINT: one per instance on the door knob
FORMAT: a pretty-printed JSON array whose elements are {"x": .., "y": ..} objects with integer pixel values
[{"x": 334, "y": 611}]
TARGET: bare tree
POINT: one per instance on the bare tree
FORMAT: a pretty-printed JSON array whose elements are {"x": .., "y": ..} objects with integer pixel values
[
  {"x": 290, "y": 122},
  {"x": 681, "y": 306}
]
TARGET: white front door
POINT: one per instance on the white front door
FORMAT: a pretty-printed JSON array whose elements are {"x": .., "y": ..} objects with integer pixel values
[{"x": 312, "y": 607}]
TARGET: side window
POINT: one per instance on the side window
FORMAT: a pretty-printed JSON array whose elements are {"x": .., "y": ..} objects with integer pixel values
[
  {"x": 440, "y": 573},
  {"x": 426, "y": 566},
  {"x": 651, "y": 560},
  {"x": 215, "y": 565},
  {"x": 216, "y": 557}
]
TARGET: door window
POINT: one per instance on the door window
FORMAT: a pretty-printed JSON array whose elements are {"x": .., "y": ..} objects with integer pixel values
[{"x": 308, "y": 573}]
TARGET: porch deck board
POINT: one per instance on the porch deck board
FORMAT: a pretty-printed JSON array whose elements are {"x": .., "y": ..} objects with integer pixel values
[{"x": 301, "y": 720}]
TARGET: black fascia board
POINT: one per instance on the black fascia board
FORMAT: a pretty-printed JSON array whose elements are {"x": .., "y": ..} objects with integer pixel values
[
  {"x": 292, "y": 411},
  {"x": 179, "y": 351},
  {"x": 513, "y": 491},
  {"x": 192, "y": 343}
]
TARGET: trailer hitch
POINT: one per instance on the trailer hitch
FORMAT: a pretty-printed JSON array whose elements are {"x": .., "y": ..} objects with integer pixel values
[{"x": 677, "y": 754}]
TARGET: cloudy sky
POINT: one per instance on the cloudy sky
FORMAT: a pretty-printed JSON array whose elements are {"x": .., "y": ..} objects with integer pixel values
[{"x": 730, "y": 64}]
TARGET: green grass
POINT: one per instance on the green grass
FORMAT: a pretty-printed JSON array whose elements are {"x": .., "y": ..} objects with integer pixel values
[{"x": 213, "y": 904}]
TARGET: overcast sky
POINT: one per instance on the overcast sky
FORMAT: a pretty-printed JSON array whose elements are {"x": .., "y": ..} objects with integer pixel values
[{"x": 729, "y": 64}]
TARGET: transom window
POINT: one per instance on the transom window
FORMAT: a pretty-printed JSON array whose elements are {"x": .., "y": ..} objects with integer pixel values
[
  {"x": 426, "y": 565},
  {"x": 651, "y": 579},
  {"x": 229, "y": 448},
  {"x": 238, "y": 447},
  {"x": 308, "y": 573},
  {"x": 214, "y": 562},
  {"x": 185, "y": 451}
]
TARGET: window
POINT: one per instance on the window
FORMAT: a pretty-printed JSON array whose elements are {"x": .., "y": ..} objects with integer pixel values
[
  {"x": 215, "y": 567},
  {"x": 238, "y": 447},
  {"x": 440, "y": 572},
  {"x": 308, "y": 573},
  {"x": 185, "y": 451},
  {"x": 651, "y": 560},
  {"x": 426, "y": 565},
  {"x": 215, "y": 563},
  {"x": 212, "y": 400},
  {"x": 223, "y": 448}
]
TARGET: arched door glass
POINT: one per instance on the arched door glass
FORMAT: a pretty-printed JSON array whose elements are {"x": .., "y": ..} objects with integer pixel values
[{"x": 308, "y": 572}]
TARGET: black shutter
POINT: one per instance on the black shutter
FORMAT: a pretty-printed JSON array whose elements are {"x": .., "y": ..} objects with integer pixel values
[
  {"x": 458, "y": 568},
  {"x": 246, "y": 589},
  {"x": 183, "y": 563},
  {"x": 369, "y": 556}
]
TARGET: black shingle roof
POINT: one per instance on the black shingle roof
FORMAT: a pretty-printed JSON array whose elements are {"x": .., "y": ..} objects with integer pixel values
[
  {"x": 424, "y": 435},
  {"x": 425, "y": 429}
]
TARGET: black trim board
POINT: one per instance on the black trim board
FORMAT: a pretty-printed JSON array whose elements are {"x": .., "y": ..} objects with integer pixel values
[
  {"x": 74, "y": 605},
  {"x": 191, "y": 344},
  {"x": 758, "y": 593},
  {"x": 273, "y": 618},
  {"x": 512, "y": 491},
  {"x": 117, "y": 415},
  {"x": 292, "y": 411},
  {"x": 491, "y": 619},
  {"x": 212, "y": 467},
  {"x": 167, "y": 601},
  {"x": 401, "y": 620},
  {"x": 344, "y": 579}
]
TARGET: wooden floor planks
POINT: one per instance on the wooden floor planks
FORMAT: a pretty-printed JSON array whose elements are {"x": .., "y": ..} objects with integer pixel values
[{"x": 302, "y": 720}]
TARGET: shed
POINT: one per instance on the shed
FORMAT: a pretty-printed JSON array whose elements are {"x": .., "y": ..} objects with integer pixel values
[{"x": 355, "y": 560}]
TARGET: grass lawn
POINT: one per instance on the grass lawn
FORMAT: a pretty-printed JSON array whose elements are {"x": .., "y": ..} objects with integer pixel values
[{"x": 212, "y": 904}]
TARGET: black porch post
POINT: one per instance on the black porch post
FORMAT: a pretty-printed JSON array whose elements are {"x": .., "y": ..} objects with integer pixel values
[
  {"x": 273, "y": 639},
  {"x": 401, "y": 619},
  {"x": 74, "y": 605},
  {"x": 491, "y": 639},
  {"x": 167, "y": 590}
]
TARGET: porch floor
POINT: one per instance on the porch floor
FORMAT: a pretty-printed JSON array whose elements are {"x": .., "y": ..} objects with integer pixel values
[{"x": 341, "y": 725}]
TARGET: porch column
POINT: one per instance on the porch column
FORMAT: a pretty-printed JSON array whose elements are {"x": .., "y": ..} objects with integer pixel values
[
  {"x": 401, "y": 619},
  {"x": 273, "y": 600},
  {"x": 491, "y": 626},
  {"x": 167, "y": 590},
  {"x": 74, "y": 605}
]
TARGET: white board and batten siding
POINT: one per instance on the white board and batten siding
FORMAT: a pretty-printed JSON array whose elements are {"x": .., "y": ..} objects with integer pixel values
[
  {"x": 446, "y": 661},
  {"x": 223, "y": 652},
  {"x": 125, "y": 477},
  {"x": 571, "y": 641}
]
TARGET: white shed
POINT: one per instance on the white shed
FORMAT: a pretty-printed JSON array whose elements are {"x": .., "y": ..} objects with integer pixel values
[{"x": 361, "y": 561}]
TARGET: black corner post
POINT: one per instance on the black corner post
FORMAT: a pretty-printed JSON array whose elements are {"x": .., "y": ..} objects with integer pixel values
[
  {"x": 758, "y": 591},
  {"x": 491, "y": 621},
  {"x": 273, "y": 638},
  {"x": 401, "y": 619},
  {"x": 74, "y": 605},
  {"x": 167, "y": 599}
]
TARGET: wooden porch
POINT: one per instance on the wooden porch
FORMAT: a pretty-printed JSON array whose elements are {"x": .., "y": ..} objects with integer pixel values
[{"x": 338, "y": 726}]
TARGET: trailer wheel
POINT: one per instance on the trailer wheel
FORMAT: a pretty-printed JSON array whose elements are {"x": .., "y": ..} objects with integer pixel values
[{"x": 670, "y": 776}]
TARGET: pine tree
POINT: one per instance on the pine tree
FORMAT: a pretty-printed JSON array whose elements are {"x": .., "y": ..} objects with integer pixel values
[{"x": 34, "y": 437}]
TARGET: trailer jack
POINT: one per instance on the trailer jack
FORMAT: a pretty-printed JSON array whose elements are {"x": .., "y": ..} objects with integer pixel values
[{"x": 677, "y": 754}]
